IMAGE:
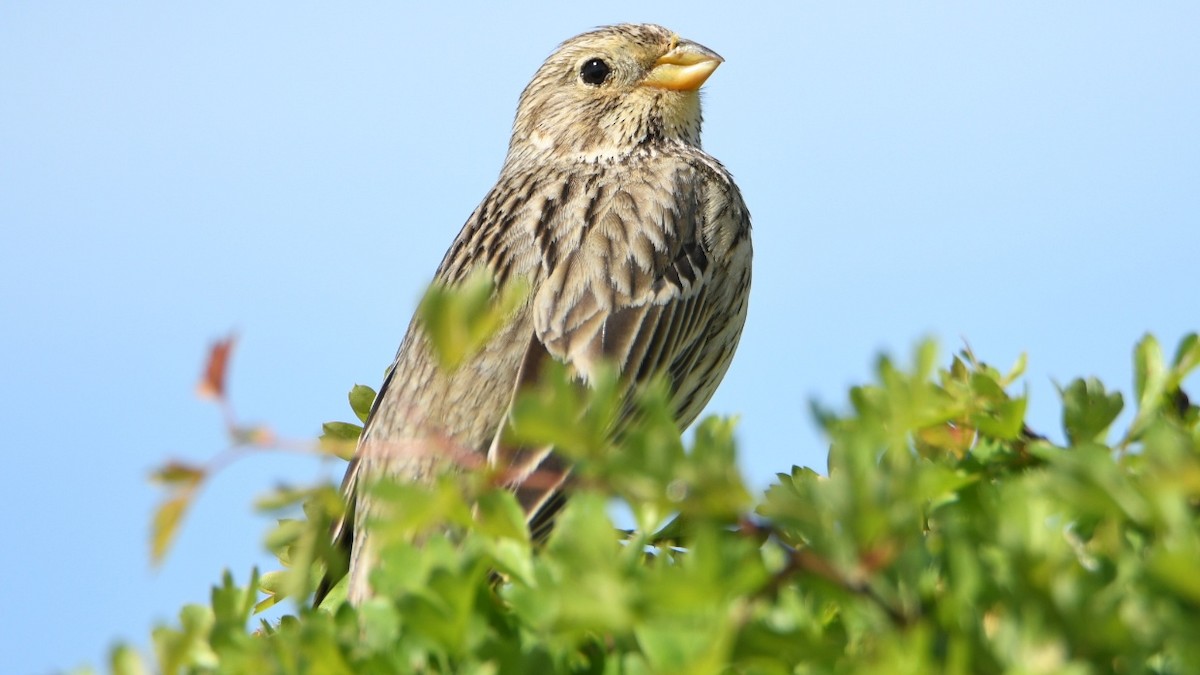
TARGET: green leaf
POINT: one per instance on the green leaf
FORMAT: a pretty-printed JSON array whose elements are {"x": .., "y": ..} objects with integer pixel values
[
  {"x": 1017, "y": 370},
  {"x": 124, "y": 660},
  {"x": 460, "y": 319},
  {"x": 380, "y": 624},
  {"x": 1187, "y": 356},
  {"x": 277, "y": 585},
  {"x": 232, "y": 604},
  {"x": 285, "y": 497},
  {"x": 1088, "y": 410},
  {"x": 341, "y": 431},
  {"x": 166, "y": 525},
  {"x": 361, "y": 398},
  {"x": 340, "y": 439},
  {"x": 497, "y": 514},
  {"x": 1150, "y": 372},
  {"x": 187, "y": 648},
  {"x": 1176, "y": 570},
  {"x": 1003, "y": 419}
]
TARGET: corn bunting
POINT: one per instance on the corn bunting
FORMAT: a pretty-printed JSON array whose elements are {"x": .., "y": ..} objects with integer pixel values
[{"x": 634, "y": 243}]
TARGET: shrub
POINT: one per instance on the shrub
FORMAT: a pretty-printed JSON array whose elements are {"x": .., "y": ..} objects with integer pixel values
[{"x": 945, "y": 537}]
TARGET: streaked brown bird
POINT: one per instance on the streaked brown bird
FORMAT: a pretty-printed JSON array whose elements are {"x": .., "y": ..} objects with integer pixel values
[{"x": 635, "y": 245}]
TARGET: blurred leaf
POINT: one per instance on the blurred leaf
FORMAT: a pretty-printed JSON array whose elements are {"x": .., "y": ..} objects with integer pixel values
[
  {"x": 165, "y": 526},
  {"x": 283, "y": 497},
  {"x": 497, "y": 514},
  {"x": 1150, "y": 372},
  {"x": 1177, "y": 571},
  {"x": 1017, "y": 370},
  {"x": 562, "y": 412},
  {"x": 286, "y": 533},
  {"x": 336, "y": 596},
  {"x": 212, "y": 382},
  {"x": 460, "y": 319},
  {"x": 1088, "y": 410},
  {"x": 232, "y": 604},
  {"x": 124, "y": 660},
  {"x": 187, "y": 648},
  {"x": 406, "y": 510},
  {"x": 1187, "y": 355},
  {"x": 953, "y": 439},
  {"x": 1003, "y": 420},
  {"x": 276, "y": 585},
  {"x": 939, "y": 483},
  {"x": 178, "y": 475}
]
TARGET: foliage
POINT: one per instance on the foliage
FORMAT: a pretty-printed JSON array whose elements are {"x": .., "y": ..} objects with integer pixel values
[{"x": 946, "y": 537}]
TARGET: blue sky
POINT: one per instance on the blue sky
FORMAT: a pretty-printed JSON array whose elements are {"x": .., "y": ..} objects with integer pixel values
[{"x": 1024, "y": 176}]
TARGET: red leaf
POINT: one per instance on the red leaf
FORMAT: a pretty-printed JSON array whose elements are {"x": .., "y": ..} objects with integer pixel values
[{"x": 212, "y": 382}]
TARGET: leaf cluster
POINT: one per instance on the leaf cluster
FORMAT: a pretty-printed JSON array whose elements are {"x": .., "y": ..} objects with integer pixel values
[{"x": 945, "y": 537}]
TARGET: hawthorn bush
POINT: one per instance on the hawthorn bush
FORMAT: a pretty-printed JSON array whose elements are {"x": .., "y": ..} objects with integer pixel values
[{"x": 945, "y": 536}]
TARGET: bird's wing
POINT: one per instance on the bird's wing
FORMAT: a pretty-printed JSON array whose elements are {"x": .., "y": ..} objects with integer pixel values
[
  {"x": 632, "y": 290},
  {"x": 343, "y": 530}
]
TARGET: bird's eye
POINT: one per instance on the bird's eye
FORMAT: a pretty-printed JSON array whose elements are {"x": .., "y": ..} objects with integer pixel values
[{"x": 594, "y": 71}]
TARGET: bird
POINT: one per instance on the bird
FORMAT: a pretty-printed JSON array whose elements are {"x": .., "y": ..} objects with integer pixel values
[{"x": 635, "y": 247}]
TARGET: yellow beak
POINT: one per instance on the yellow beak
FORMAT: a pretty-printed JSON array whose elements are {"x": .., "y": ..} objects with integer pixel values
[{"x": 683, "y": 68}]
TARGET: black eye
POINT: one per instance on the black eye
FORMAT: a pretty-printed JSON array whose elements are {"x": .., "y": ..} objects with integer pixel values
[{"x": 594, "y": 71}]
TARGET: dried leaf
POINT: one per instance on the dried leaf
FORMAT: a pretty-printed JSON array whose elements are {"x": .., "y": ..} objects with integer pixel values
[{"x": 212, "y": 382}]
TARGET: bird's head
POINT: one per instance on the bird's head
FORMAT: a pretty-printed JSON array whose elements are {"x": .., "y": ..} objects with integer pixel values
[{"x": 609, "y": 92}]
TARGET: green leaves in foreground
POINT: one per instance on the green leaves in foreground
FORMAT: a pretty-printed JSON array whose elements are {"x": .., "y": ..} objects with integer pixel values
[
  {"x": 460, "y": 318},
  {"x": 946, "y": 538}
]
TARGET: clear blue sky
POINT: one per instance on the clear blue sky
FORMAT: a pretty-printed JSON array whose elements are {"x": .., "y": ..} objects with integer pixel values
[{"x": 1024, "y": 175}]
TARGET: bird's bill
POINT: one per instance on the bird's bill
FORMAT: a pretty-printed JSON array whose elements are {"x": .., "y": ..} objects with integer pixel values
[{"x": 684, "y": 68}]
